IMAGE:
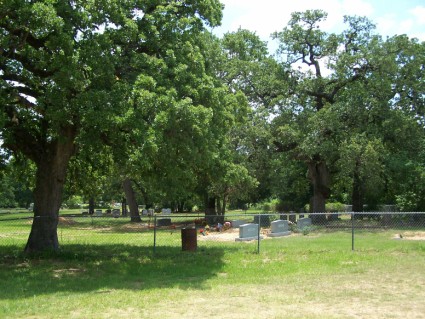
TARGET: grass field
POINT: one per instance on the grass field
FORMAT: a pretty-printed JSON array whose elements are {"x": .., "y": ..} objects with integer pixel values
[{"x": 101, "y": 273}]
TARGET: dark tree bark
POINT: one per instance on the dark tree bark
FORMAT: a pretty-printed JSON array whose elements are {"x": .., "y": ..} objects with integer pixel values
[
  {"x": 131, "y": 200},
  {"x": 219, "y": 207},
  {"x": 124, "y": 207},
  {"x": 210, "y": 205},
  {"x": 319, "y": 176},
  {"x": 91, "y": 206},
  {"x": 52, "y": 163},
  {"x": 357, "y": 193},
  {"x": 180, "y": 206},
  {"x": 211, "y": 216}
]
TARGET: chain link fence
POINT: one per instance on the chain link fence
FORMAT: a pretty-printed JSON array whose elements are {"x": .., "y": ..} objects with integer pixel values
[{"x": 247, "y": 232}]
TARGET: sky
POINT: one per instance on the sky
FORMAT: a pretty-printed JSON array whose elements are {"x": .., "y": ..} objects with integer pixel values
[{"x": 267, "y": 16}]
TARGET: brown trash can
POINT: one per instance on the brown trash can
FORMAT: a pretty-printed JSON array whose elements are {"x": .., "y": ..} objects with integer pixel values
[{"x": 189, "y": 239}]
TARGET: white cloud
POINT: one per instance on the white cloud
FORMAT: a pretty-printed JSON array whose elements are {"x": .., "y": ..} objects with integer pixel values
[
  {"x": 419, "y": 14},
  {"x": 267, "y": 16},
  {"x": 386, "y": 23}
]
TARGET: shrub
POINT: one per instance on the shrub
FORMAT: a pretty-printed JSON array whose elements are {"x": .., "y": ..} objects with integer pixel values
[{"x": 74, "y": 202}]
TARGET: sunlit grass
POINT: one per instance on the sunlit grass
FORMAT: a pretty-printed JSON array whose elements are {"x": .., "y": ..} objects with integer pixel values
[{"x": 107, "y": 268}]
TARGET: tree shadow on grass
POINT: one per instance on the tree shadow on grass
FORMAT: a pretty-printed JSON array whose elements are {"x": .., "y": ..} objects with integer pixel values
[{"x": 86, "y": 268}]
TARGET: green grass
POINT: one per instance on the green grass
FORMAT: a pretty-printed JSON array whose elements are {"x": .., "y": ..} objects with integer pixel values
[{"x": 107, "y": 269}]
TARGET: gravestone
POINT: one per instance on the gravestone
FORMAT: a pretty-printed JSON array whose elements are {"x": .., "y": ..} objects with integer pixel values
[
  {"x": 332, "y": 217},
  {"x": 144, "y": 212},
  {"x": 150, "y": 212},
  {"x": 166, "y": 211},
  {"x": 262, "y": 220},
  {"x": 279, "y": 228},
  {"x": 283, "y": 216},
  {"x": 116, "y": 213},
  {"x": 163, "y": 222},
  {"x": 248, "y": 232},
  {"x": 386, "y": 219},
  {"x": 98, "y": 212},
  {"x": 236, "y": 223},
  {"x": 303, "y": 223},
  {"x": 292, "y": 217}
]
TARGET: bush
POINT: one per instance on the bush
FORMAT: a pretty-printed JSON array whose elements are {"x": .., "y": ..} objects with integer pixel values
[
  {"x": 335, "y": 207},
  {"x": 330, "y": 207},
  {"x": 74, "y": 202}
]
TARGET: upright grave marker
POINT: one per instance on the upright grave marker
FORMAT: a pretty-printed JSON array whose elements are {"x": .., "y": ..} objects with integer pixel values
[
  {"x": 248, "y": 232},
  {"x": 279, "y": 228}
]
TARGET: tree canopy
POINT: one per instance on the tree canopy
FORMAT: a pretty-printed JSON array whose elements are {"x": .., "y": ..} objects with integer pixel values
[{"x": 142, "y": 93}]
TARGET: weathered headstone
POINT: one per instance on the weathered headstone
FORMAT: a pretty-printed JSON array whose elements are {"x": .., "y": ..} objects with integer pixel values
[
  {"x": 144, "y": 212},
  {"x": 283, "y": 216},
  {"x": 248, "y": 232},
  {"x": 166, "y": 211},
  {"x": 163, "y": 222},
  {"x": 98, "y": 212},
  {"x": 386, "y": 219},
  {"x": 332, "y": 216},
  {"x": 237, "y": 222},
  {"x": 279, "y": 228},
  {"x": 303, "y": 223},
  {"x": 262, "y": 220},
  {"x": 116, "y": 213}
]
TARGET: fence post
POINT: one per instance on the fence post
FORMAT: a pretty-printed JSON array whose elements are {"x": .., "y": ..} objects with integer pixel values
[
  {"x": 258, "y": 239},
  {"x": 352, "y": 231},
  {"x": 154, "y": 233}
]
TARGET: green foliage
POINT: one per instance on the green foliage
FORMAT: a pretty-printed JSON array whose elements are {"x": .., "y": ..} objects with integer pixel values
[
  {"x": 7, "y": 192},
  {"x": 330, "y": 207},
  {"x": 74, "y": 202}
]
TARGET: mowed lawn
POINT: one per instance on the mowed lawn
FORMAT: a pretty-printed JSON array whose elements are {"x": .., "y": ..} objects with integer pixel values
[{"x": 115, "y": 274}]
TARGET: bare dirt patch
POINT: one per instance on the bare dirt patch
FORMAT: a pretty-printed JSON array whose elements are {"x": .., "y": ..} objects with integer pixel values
[
  {"x": 66, "y": 221},
  {"x": 228, "y": 235},
  {"x": 411, "y": 235}
]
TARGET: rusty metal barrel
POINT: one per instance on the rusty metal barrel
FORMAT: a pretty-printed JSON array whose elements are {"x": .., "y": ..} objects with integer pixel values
[{"x": 189, "y": 239}]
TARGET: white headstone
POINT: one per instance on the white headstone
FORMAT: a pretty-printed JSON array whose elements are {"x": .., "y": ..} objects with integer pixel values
[
  {"x": 279, "y": 228},
  {"x": 248, "y": 232},
  {"x": 144, "y": 212},
  {"x": 237, "y": 223},
  {"x": 303, "y": 223}
]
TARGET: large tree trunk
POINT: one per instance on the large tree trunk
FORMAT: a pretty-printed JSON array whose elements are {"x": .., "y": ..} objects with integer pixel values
[
  {"x": 91, "y": 206},
  {"x": 131, "y": 200},
  {"x": 357, "y": 194},
  {"x": 210, "y": 210},
  {"x": 52, "y": 164},
  {"x": 224, "y": 206},
  {"x": 124, "y": 206},
  {"x": 180, "y": 206},
  {"x": 319, "y": 176}
]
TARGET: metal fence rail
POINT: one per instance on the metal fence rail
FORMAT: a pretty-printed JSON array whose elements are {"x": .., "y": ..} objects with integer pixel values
[{"x": 248, "y": 232}]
